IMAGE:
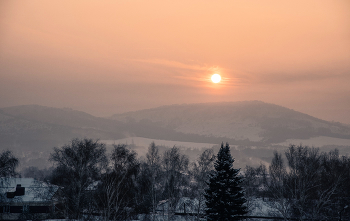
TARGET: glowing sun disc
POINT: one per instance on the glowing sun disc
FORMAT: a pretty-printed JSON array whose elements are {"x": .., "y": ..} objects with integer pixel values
[{"x": 215, "y": 78}]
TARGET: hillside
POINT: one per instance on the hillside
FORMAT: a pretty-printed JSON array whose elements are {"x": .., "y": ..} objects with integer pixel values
[
  {"x": 34, "y": 126},
  {"x": 254, "y": 128},
  {"x": 248, "y": 120},
  {"x": 248, "y": 123}
]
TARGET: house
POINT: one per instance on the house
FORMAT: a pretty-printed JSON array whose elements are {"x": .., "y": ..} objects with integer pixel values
[{"x": 26, "y": 198}]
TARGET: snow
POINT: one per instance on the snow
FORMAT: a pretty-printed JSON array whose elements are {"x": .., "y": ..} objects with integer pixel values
[
  {"x": 261, "y": 207},
  {"x": 145, "y": 142},
  {"x": 31, "y": 188},
  {"x": 317, "y": 141}
]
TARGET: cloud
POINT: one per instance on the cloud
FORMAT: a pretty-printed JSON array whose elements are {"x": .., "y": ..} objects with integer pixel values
[
  {"x": 310, "y": 77},
  {"x": 192, "y": 71},
  {"x": 177, "y": 64}
]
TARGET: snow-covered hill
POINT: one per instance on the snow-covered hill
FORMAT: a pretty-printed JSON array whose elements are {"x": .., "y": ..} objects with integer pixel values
[
  {"x": 254, "y": 129},
  {"x": 252, "y": 120}
]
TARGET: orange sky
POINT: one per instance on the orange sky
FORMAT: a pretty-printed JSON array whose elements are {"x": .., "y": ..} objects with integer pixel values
[{"x": 107, "y": 57}]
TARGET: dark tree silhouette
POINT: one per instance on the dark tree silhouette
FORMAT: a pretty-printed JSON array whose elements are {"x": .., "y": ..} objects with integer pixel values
[
  {"x": 200, "y": 173},
  {"x": 117, "y": 194},
  {"x": 79, "y": 165},
  {"x": 224, "y": 196},
  {"x": 153, "y": 162},
  {"x": 313, "y": 185},
  {"x": 36, "y": 173},
  {"x": 175, "y": 166},
  {"x": 8, "y": 164}
]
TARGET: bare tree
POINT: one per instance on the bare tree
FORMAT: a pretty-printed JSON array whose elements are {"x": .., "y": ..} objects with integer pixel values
[
  {"x": 254, "y": 183},
  {"x": 78, "y": 165},
  {"x": 111, "y": 196},
  {"x": 175, "y": 167},
  {"x": 334, "y": 188},
  {"x": 276, "y": 186},
  {"x": 312, "y": 186},
  {"x": 36, "y": 173},
  {"x": 116, "y": 195},
  {"x": 8, "y": 164},
  {"x": 200, "y": 173},
  {"x": 153, "y": 162},
  {"x": 303, "y": 178}
]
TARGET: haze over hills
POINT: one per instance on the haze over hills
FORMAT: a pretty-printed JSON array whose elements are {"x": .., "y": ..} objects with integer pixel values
[
  {"x": 248, "y": 120},
  {"x": 34, "y": 125},
  {"x": 33, "y": 130}
]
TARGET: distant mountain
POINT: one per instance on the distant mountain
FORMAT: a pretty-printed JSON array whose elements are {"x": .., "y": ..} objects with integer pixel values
[
  {"x": 255, "y": 121},
  {"x": 58, "y": 116},
  {"x": 241, "y": 123},
  {"x": 31, "y": 131},
  {"x": 34, "y": 126}
]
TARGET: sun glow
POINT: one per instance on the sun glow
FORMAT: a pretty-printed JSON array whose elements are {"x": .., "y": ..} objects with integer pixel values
[{"x": 216, "y": 78}]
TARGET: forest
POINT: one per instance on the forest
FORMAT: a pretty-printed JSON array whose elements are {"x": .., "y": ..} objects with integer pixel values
[{"x": 300, "y": 183}]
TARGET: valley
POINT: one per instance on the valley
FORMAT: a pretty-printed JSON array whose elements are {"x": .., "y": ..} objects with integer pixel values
[{"x": 253, "y": 129}]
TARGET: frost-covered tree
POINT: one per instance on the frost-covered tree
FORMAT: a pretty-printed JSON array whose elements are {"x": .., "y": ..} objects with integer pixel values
[
  {"x": 175, "y": 180},
  {"x": 224, "y": 196},
  {"x": 200, "y": 171}
]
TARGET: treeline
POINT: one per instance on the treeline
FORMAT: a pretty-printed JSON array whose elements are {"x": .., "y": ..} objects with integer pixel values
[
  {"x": 304, "y": 184},
  {"x": 119, "y": 185},
  {"x": 301, "y": 184}
]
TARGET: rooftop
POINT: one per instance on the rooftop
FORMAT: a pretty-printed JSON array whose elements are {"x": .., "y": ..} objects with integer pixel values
[{"x": 34, "y": 191}]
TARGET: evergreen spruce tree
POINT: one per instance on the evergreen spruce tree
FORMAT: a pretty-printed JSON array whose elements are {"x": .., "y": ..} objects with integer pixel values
[{"x": 224, "y": 195}]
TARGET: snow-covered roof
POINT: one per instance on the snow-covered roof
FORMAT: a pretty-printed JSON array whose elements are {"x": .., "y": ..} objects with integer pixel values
[{"x": 35, "y": 191}]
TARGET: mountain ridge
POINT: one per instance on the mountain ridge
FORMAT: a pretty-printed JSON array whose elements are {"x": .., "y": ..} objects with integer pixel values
[
  {"x": 254, "y": 129},
  {"x": 253, "y": 120},
  {"x": 244, "y": 122}
]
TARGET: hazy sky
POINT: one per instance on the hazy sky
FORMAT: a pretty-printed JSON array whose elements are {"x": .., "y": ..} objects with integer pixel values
[{"x": 106, "y": 57}]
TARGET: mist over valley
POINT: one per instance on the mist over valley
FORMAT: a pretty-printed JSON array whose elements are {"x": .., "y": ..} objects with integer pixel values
[{"x": 254, "y": 129}]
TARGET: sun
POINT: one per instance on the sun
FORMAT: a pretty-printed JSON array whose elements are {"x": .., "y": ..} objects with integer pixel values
[{"x": 216, "y": 78}]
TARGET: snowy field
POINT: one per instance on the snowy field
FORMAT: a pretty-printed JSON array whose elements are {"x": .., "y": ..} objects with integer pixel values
[
  {"x": 145, "y": 142},
  {"x": 318, "y": 141}
]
